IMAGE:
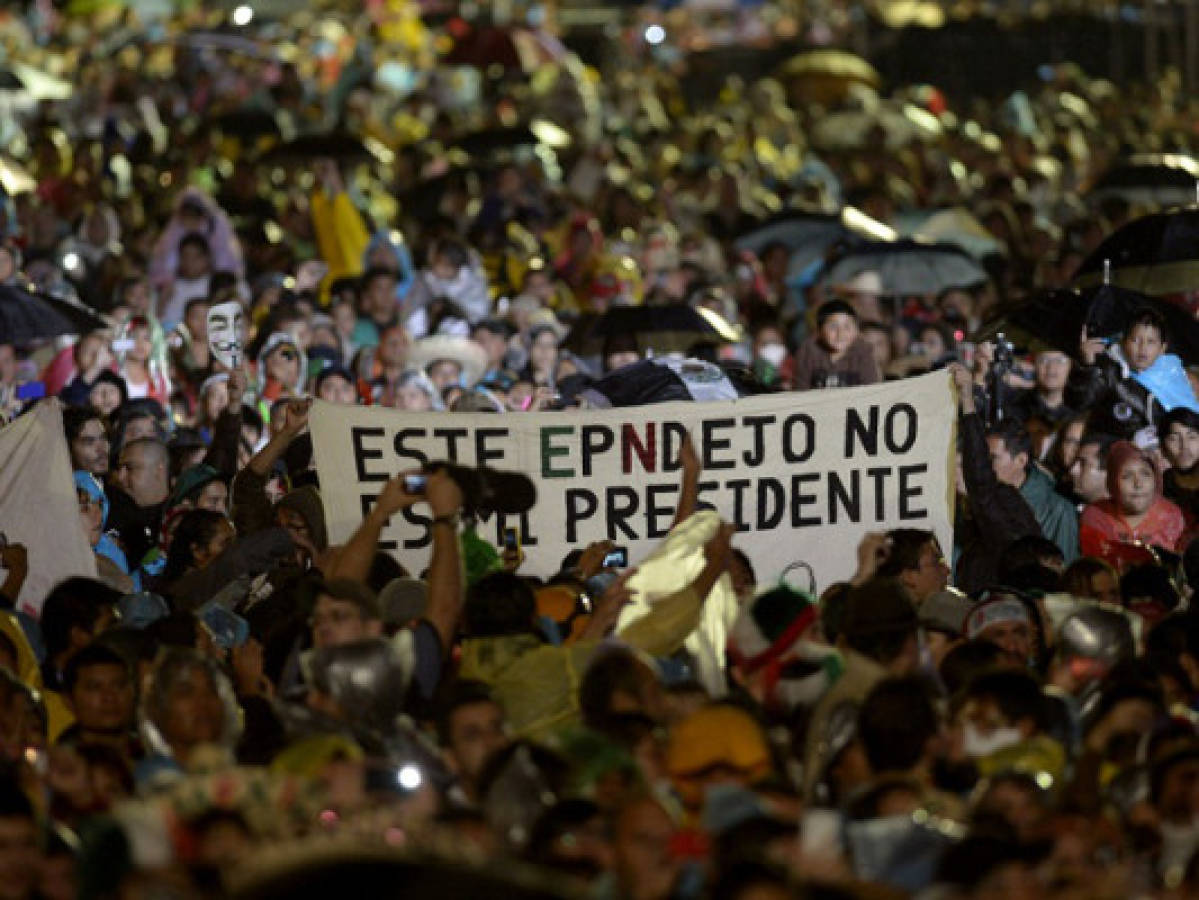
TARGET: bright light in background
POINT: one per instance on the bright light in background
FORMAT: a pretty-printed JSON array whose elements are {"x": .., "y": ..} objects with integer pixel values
[
  {"x": 655, "y": 35},
  {"x": 409, "y": 777},
  {"x": 70, "y": 261},
  {"x": 242, "y": 15}
]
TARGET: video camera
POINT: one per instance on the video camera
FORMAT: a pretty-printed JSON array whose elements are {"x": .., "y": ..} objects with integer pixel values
[
  {"x": 484, "y": 490},
  {"x": 1002, "y": 364}
]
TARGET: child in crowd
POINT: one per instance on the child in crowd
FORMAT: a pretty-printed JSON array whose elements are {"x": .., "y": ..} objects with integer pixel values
[
  {"x": 836, "y": 355},
  {"x": 1132, "y": 383}
]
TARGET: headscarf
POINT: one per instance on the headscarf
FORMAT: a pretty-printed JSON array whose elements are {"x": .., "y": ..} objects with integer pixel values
[
  {"x": 107, "y": 547},
  {"x": 1120, "y": 455}
]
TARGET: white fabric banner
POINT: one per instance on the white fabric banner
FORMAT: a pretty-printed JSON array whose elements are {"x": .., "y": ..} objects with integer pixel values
[
  {"x": 803, "y": 475},
  {"x": 38, "y": 506}
]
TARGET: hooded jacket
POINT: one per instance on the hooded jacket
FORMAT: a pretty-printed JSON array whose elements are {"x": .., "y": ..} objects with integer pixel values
[{"x": 107, "y": 547}]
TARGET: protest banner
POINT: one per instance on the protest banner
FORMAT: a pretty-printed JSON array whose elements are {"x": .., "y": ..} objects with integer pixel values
[
  {"x": 803, "y": 475},
  {"x": 38, "y": 506}
]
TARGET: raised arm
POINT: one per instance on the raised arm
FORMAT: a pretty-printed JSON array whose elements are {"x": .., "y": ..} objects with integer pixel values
[
  {"x": 354, "y": 559},
  {"x": 226, "y": 432},
  {"x": 251, "y": 509},
  {"x": 446, "y": 581},
  {"x": 689, "y": 487}
]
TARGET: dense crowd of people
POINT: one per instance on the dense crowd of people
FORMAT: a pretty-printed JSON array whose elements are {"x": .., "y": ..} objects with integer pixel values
[{"x": 234, "y": 697}]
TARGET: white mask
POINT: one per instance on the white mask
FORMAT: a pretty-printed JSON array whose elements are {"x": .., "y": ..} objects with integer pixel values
[
  {"x": 773, "y": 353},
  {"x": 978, "y": 745},
  {"x": 226, "y": 333}
]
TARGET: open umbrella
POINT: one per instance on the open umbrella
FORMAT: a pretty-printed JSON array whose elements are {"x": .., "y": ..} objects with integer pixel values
[
  {"x": 481, "y": 143},
  {"x": 854, "y": 129},
  {"x": 955, "y": 225},
  {"x": 824, "y": 76},
  {"x": 1157, "y": 179},
  {"x": 1054, "y": 319},
  {"x": 337, "y": 145},
  {"x": 1156, "y": 254},
  {"x": 248, "y": 121},
  {"x": 909, "y": 266},
  {"x": 358, "y": 865},
  {"x": 26, "y": 316},
  {"x": 664, "y": 329},
  {"x": 1110, "y": 307},
  {"x": 520, "y": 49},
  {"x": 1047, "y": 320},
  {"x": 796, "y": 229}
]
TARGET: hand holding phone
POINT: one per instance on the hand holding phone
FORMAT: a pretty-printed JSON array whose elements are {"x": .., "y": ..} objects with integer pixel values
[
  {"x": 618, "y": 557},
  {"x": 511, "y": 539}
]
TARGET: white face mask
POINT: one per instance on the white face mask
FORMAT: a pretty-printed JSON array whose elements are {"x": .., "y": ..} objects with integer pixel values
[
  {"x": 978, "y": 745},
  {"x": 773, "y": 353},
  {"x": 226, "y": 333}
]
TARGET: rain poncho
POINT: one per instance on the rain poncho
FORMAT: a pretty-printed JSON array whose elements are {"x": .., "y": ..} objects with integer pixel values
[
  {"x": 341, "y": 235},
  {"x": 222, "y": 241}
]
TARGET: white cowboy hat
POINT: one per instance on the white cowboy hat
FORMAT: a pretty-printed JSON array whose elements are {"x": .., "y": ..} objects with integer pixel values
[{"x": 470, "y": 357}]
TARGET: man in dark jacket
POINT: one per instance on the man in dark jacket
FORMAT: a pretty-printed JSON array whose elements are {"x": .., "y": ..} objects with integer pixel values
[
  {"x": 995, "y": 513},
  {"x": 138, "y": 495}
]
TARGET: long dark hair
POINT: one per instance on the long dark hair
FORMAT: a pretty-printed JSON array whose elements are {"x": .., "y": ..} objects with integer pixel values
[{"x": 197, "y": 527}]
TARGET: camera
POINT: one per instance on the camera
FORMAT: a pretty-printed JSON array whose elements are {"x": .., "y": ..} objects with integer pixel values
[{"x": 484, "y": 490}]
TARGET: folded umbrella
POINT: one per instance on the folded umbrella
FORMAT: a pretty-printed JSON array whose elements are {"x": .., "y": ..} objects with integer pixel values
[
  {"x": 1155, "y": 254},
  {"x": 26, "y": 316}
]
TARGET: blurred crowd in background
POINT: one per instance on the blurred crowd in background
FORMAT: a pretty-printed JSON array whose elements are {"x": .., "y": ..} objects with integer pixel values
[{"x": 209, "y": 220}]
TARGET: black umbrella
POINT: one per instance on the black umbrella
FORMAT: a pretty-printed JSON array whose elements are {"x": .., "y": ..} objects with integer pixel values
[
  {"x": 1161, "y": 179},
  {"x": 665, "y": 329},
  {"x": 1155, "y": 254},
  {"x": 308, "y": 871},
  {"x": 1049, "y": 319},
  {"x": 247, "y": 122},
  {"x": 492, "y": 139},
  {"x": 26, "y": 317},
  {"x": 909, "y": 266},
  {"x": 1055, "y": 318},
  {"x": 337, "y": 145},
  {"x": 1109, "y": 309}
]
